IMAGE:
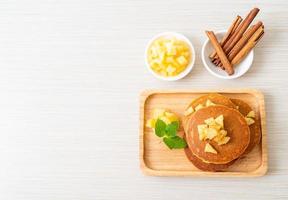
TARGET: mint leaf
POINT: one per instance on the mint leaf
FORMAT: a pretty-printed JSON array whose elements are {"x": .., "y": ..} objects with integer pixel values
[
  {"x": 169, "y": 142},
  {"x": 179, "y": 143},
  {"x": 175, "y": 142},
  {"x": 171, "y": 129},
  {"x": 160, "y": 128}
]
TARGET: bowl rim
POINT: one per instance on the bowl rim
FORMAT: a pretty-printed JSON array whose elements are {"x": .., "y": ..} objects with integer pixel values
[
  {"x": 189, "y": 66},
  {"x": 218, "y": 75}
]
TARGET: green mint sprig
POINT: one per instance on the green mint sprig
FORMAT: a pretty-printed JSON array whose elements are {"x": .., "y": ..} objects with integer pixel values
[{"x": 169, "y": 134}]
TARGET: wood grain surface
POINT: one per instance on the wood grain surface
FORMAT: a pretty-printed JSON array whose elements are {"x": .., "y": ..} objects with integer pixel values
[{"x": 71, "y": 72}]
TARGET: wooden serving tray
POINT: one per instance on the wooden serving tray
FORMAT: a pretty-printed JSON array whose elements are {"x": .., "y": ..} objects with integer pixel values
[{"x": 157, "y": 160}]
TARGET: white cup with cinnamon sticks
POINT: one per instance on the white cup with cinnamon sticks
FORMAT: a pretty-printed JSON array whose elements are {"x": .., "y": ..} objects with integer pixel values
[
  {"x": 229, "y": 54},
  {"x": 218, "y": 71}
]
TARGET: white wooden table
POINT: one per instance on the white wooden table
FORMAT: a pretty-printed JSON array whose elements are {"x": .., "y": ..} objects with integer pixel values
[{"x": 70, "y": 77}]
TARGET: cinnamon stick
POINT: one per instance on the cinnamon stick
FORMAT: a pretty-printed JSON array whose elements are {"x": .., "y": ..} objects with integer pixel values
[
  {"x": 220, "y": 52},
  {"x": 229, "y": 33},
  {"x": 240, "y": 44},
  {"x": 249, "y": 45},
  {"x": 236, "y": 25},
  {"x": 240, "y": 30}
]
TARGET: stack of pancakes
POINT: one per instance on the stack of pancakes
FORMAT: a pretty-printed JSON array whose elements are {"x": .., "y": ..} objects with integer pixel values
[{"x": 243, "y": 137}]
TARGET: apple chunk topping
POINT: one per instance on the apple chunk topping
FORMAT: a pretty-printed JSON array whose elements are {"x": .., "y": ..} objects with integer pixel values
[{"x": 213, "y": 129}]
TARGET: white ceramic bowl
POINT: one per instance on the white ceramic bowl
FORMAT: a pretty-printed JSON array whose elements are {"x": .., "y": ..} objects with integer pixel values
[
  {"x": 239, "y": 69},
  {"x": 188, "y": 68}
]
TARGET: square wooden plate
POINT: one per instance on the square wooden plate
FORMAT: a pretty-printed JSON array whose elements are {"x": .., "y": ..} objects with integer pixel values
[{"x": 157, "y": 160}]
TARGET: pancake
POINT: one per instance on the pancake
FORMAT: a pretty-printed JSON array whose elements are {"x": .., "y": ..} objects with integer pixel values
[
  {"x": 197, "y": 162},
  {"x": 255, "y": 130},
  {"x": 215, "y": 98},
  {"x": 234, "y": 123}
]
